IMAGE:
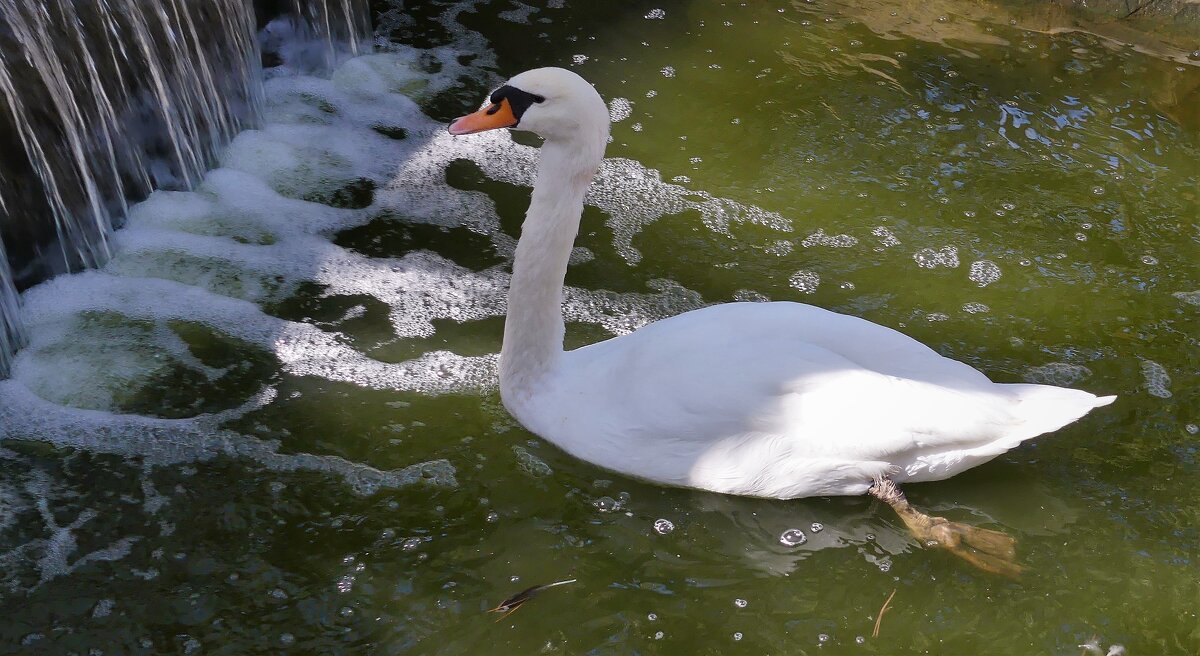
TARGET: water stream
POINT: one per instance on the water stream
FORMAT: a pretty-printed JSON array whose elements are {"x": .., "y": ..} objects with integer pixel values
[{"x": 268, "y": 423}]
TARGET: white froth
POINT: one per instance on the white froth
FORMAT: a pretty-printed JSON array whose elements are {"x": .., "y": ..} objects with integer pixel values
[
  {"x": 1062, "y": 374},
  {"x": 819, "y": 238},
  {"x": 1158, "y": 381},
  {"x": 887, "y": 238},
  {"x": 805, "y": 281},
  {"x": 946, "y": 256},
  {"x": 619, "y": 109},
  {"x": 1191, "y": 298},
  {"x": 984, "y": 272}
]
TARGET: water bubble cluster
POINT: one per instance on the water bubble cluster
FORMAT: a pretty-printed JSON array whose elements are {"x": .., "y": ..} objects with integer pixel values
[
  {"x": 819, "y": 238},
  {"x": 946, "y": 256},
  {"x": 984, "y": 272},
  {"x": 1062, "y": 374},
  {"x": 805, "y": 281},
  {"x": 1158, "y": 380},
  {"x": 619, "y": 109},
  {"x": 663, "y": 526}
]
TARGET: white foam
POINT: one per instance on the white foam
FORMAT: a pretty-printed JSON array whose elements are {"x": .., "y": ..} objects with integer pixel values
[
  {"x": 1158, "y": 381},
  {"x": 946, "y": 256},
  {"x": 1063, "y": 374},
  {"x": 1191, "y": 298},
  {"x": 805, "y": 281},
  {"x": 984, "y": 272},
  {"x": 819, "y": 238},
  {"x": 619, "y": 109}
]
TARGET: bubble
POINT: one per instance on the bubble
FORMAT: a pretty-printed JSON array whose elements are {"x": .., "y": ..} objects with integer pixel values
[
  {"x": 1098, "y": 190},
  {"x": 1157, "y": 379},
  {"x": 1192, "y": 429},
  {"x": 410, "y": 544},
  {"x": 531, "y": 464},
  {"x": 346, "y": 611},
  {"x": 943, "y": 19},
  {"x": 822, "y": 638},
  {"x": 103, "y": 608},
  {"x": 805, "y": 281},
  {"x": 653, "y": 617},
  {"x": 946, "y": 256},
  {"x": 278, "y": 593},
  {"x": 619, "y": 109},
  {"x": 1057, "y": 373},
  {"x": 606, "y": 504},
  {"x": 655, "y": 14},
  {"x": 659, "y": 635},
  {"x": 737, "y": 635},
  {"x": 1191, "y": 298},
  {"x": 663, "y": 526},
  {"x": 975, "y": 308},
  {"x": 886, "y": 237},
  {"x": 492, "y": 517},
  {"x": 884, "y": 565},
  {"x": 819, "y": 238},
  {"x": 793, "y": 537},
  {"x": 1149, "y": 259},
  {"x": 984, "y": 272},
  {"x": 287, "y": 639},
  {"x": 860, "y": 640},
  {"x": 578, "y": 59},
  {"x": 667, "y": 71},
  {"x": 740, "y": 603},
  {"x": 817, "y": 527}
]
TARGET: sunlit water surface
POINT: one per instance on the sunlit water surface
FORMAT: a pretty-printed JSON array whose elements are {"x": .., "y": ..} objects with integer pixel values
[{"x": 269, "y": 425}]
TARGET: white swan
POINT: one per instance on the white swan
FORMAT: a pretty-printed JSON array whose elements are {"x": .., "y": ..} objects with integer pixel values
[{"x": 779, "y": 400}]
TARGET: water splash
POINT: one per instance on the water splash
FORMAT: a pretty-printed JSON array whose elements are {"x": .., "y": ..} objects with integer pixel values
[{"x": 100, "y": 103}]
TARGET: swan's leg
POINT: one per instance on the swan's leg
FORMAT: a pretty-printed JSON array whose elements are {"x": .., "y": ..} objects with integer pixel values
[{"x": 991, "y": 551}]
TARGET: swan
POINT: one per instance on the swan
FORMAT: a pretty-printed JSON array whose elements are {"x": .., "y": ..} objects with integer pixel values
[{"x": 780, "y": 400}]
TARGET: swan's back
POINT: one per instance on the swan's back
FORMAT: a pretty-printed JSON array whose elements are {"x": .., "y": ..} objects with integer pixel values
[{"x": 783, "y": 400}]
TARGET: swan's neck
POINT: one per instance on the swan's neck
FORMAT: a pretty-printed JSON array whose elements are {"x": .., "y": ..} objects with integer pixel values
[{"x": 533, "y": 330}]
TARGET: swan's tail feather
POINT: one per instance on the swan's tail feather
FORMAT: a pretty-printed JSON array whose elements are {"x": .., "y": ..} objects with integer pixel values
[{"x": 1045, "y": 408}]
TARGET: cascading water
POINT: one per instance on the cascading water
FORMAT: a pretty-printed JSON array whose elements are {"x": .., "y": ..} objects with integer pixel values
[{"x": 102, "y": 102}]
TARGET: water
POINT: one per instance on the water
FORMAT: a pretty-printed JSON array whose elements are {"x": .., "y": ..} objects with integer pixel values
[
  {"x": 270, "y": 423},
  {"x": 102, "y": 102}
]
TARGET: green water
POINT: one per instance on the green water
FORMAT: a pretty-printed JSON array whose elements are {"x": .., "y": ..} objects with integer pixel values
[{"x": 899, "y": 162}]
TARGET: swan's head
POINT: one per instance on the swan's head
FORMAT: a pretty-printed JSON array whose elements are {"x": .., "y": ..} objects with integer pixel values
[{"x": 553, "y": 103}]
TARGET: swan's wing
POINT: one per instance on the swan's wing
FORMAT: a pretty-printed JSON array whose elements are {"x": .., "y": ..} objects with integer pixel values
[{"x": 782, "y": 392}]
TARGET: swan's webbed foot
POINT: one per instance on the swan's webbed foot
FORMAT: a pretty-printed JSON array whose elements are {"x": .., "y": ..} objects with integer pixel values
[{"x": 990, "y": 551}]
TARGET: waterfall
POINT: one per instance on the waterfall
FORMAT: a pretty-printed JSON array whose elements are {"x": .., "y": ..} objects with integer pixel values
[{"x": 103, "y": 101}]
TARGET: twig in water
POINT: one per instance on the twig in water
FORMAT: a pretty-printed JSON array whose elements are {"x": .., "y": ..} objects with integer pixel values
[
  {"x": 510, "y": 605},
  {"x": 882, "y": 609}
]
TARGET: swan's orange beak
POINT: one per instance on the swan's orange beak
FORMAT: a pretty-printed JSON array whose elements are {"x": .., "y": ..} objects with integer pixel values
[{"x": 496, "y": 115}]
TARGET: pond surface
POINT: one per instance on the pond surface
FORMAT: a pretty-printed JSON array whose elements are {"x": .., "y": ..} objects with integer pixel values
[{"x": 270, "y": 425}]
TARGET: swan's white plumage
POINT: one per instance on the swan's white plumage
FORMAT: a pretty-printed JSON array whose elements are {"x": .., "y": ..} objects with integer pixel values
[{"x": 767, "y": 399}]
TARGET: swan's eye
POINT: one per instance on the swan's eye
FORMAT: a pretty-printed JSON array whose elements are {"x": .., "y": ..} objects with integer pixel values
[{"x": 518, "y": 99}]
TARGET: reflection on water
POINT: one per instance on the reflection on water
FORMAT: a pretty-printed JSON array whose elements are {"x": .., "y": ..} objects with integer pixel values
[{"x": 273, "y": 412}]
